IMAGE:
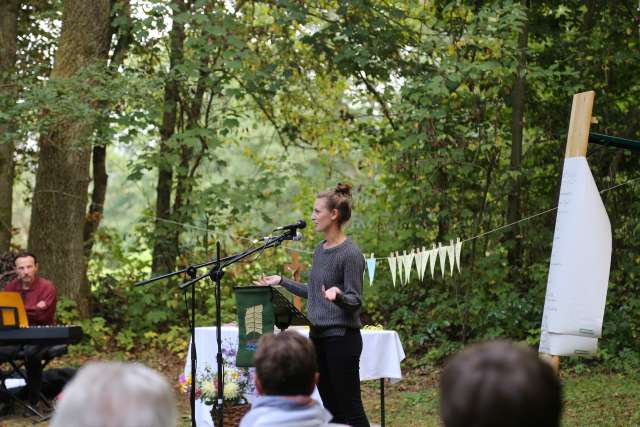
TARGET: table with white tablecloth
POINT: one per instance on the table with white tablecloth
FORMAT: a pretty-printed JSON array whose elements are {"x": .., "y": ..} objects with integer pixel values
[{"x": 382, "y": 353}]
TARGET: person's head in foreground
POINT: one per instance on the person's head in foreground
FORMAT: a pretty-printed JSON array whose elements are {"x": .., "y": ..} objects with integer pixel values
[
  {"x": 114, "y": 394},
  {"x": 285, "y": 365},
  {"x": 499, "y": 384},
  {"x": 286, "y": 375}
]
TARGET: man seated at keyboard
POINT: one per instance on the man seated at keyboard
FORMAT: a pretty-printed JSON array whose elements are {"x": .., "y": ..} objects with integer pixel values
[{"x": 40, "y": 298}]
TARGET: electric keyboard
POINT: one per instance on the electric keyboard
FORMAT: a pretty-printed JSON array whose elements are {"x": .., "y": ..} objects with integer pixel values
[{"x": 45, "y": 335}]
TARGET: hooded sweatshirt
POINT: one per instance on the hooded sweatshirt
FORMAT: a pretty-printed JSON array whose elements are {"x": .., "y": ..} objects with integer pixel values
[{"x": 286, "y": 411}]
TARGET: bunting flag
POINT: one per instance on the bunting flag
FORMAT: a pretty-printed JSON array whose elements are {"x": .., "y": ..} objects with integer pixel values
[
  {"x": 400, "y": 266},
  {"x": 433, "y": 256},
  {"x": 442, "y": 253},
  {"x": 418, "y": 259},
  {"x": 425, "y": 260},
  {"x": 392, "y": 266},
  {"x": 420, "y": 263},
  {"x": 408, "y": 262},
  {"x": 451, "y": 250},
  {"x": 371, "y": 267},
  {"x": 458, "y": 251}
]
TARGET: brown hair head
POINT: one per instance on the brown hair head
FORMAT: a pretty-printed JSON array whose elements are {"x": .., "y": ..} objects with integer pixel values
[
  {"x": 25, "y": 254},
  {"x": 338, "y": 198},
  {"x": 286, "y": 364},
  {"x": 499, "y": 384}
]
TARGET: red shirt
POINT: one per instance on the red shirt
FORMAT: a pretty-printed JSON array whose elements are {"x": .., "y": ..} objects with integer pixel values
[{"x": 40, "y": 290}]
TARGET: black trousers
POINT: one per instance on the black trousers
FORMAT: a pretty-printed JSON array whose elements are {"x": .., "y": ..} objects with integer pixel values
[
  {"x": 32, "y": 356},
  {"x": 339, "y": 385}
]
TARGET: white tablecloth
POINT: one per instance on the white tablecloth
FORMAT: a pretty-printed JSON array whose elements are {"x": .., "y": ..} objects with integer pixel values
[{"x": 382, "y": 353}]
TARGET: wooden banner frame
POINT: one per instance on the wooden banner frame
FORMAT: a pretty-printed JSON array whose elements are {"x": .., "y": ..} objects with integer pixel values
[{"x": 577, "y": 142}]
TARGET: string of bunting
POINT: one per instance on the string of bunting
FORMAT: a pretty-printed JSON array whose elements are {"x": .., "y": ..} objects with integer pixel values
[{"x": 401, "y": 265}]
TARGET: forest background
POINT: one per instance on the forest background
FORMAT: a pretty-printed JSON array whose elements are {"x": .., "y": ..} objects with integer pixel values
[{"x": 137, "y": 133}]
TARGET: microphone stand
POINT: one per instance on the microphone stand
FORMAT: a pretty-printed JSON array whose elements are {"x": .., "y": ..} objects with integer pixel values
[{"x": 215, "y": 273}]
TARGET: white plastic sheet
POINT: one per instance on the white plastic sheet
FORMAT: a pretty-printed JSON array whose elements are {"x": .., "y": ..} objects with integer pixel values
[{"x": 579, "y": 267}]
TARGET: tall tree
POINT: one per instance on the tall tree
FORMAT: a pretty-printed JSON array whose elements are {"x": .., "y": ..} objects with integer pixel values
[
  {"x": 165, "y": 245},
  {"x": 122, "y": 13},
  {"x": 515, "y": 165},
  {"x": 60, "y": 193},
  {"x": 8, "y": 47}
]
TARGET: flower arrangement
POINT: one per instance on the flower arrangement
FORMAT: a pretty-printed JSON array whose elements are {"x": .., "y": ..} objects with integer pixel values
[{"x": 237, "y": 381}]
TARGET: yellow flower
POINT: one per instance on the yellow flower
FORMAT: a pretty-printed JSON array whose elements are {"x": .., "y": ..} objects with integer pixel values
[{"x": 185, "y": 383}]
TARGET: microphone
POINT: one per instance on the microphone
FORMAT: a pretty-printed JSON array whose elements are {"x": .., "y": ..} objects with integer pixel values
[
  {"x": 297, "y": 225},
  {"x": 291, "y": 236}
]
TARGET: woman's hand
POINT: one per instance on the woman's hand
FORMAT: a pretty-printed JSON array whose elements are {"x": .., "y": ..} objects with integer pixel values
[
  {"x": 268, "y": 280},
  {"x": 331, "y": 293}
]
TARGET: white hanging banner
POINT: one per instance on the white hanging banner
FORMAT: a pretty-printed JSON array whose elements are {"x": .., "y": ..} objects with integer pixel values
[
  {"x": 392, "y": 267},
  {"x": 458, "y": 251},
  {"x": 579, "y": 267},
  {"x": 442, "y": 253},
  {"x": 371, "y": 268}
]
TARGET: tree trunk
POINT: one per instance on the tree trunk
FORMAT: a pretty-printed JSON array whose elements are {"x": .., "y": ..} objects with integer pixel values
[
  {"x": 99, "y": 155},
  {"x": 8, "y": 45},
  {"x": 517, "y": 117},
  {"x": 60, "y": 193},
  {"x": 165, "y": 245},
  {"x": 100, "y": 180}
]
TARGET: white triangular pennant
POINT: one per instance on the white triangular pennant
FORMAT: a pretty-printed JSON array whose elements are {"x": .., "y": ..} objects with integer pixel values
[
  {"x": 408, "y": 262},
  {"x": 400, "y": 266},
  {"x": 458, "y": 251},
  {"x": 442, "y": 253},
  {"x": 451, "y": 250},
  {"x": 433, "y": 256},
  {"x": 419, "y": 261},
  {"x": 425, "y": 260},
  {"x": 392, "y": 266}
]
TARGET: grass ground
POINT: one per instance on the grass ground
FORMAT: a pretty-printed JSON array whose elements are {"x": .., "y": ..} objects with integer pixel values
[{"x": 594, "y": 398}]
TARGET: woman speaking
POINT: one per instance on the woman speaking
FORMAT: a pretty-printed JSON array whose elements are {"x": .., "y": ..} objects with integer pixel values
[{"x": 334, "y": 294}]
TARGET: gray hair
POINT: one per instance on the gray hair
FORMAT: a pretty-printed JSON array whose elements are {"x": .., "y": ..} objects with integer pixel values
[{"x": 115, "y": 394}]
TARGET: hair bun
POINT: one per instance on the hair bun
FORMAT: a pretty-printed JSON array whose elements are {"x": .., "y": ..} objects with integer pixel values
[{"x": 344, "y": 189}]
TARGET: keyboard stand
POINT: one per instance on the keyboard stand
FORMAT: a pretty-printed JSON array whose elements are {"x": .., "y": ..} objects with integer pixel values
[{"x": 27, "y": 406}]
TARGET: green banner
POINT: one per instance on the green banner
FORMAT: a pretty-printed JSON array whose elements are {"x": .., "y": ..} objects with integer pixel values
[{"x": 255, "y": 318}]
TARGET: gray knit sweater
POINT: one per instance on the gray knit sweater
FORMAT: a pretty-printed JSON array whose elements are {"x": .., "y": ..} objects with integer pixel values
[{"x": 340, "y": 266}]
